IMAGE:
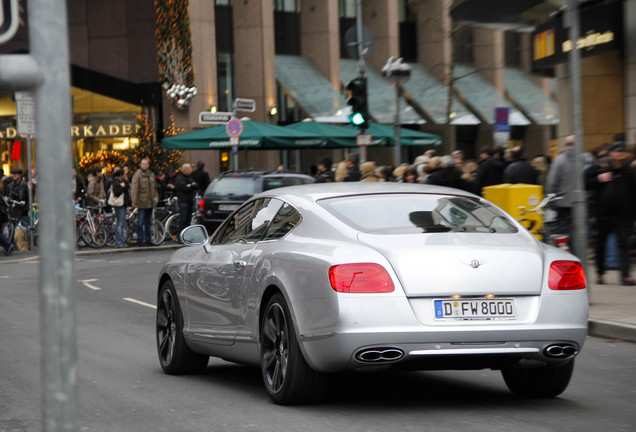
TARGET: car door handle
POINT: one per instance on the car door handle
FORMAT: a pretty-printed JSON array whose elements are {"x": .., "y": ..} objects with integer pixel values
[{"x": 240, "y": 264}]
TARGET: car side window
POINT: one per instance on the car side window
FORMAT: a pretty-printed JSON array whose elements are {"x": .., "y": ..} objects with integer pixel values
[
  {"x": 284, "y": 221},
  {"x": 249, "y": 223}
]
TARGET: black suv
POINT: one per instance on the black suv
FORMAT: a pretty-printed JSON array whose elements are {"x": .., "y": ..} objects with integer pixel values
[{"x": 231, "y": 189}]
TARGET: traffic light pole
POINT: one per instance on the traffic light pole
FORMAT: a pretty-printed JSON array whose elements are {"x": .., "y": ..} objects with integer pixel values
[{"x": 359, "y": 37}]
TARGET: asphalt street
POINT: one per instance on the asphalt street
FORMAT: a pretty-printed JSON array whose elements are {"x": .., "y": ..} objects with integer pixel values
[{"x": 122, "y": 387}]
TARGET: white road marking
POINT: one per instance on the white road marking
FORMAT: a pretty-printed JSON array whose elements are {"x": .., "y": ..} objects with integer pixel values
[
  {"x": 139, "y": 302},
  {"x": 91, "y": 286},
  {"x": 4, "y": 277}
]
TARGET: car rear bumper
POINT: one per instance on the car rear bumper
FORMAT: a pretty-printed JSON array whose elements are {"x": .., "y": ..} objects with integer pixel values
[{"x": 359, "y": 340}]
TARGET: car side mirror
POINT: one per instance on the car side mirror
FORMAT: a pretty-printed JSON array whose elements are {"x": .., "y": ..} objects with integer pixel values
[{"x": 194, "y": 235}]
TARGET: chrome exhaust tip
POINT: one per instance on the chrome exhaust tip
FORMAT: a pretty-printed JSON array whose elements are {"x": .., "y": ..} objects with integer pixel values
[
  {"x": 377, "y": 355},
  {"x": 560, "y": 351}
]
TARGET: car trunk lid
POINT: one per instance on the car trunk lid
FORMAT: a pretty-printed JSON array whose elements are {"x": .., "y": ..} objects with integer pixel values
[{"x": 446, "y": 264}]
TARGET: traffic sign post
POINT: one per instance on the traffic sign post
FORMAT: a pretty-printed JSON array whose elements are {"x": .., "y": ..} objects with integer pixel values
[
  {"x": 501, "y": 127},
  {"x": 501, "y": 119},
  {"x": 207, "y": 117},
  {"x": 234, "y": 127},
  {"x": 244, "y": 105},
  {"x": 25, "y": 108}
]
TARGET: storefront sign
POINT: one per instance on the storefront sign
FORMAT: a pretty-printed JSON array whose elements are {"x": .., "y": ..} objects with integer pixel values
[
  {"x": 601, "y": 30},
  {"x": 83, "y": 131}
]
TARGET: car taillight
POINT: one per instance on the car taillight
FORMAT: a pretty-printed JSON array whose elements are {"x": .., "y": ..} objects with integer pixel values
[
  {"x": 566, "y": 275},
  {"x": 360, "y": 278},
  {"x": 201, "y": 205}
]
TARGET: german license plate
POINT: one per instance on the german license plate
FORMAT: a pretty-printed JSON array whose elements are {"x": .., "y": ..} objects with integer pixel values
[
  {"x": 478, "y": 309},
  {"x": 228, "y": 207}
]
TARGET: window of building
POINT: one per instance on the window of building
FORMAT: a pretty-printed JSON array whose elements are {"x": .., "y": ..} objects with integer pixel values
[
  {"x": 225, "y": 48},
  {"x": 463, "y": 45},
  {"x": 287, "y": 6},
  {"x": 408, "y": 31},
  {"x": 347, "y": 8},
  {"x": 225, "y": 81},
  {"x": 287, "y": 27},
  {"x": 512, "y": 43}
]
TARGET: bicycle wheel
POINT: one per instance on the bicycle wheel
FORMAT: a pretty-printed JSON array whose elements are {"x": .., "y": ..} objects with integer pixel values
[
  {"x": 158, "y": 232},
  {"x": 95, "y": 238},
  {"x": 8, "y": 229},
  {"x": 172, "y": 227}
]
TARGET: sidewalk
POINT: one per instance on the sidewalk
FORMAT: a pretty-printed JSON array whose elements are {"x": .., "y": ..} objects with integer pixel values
[{"x": 612, "y": 305}]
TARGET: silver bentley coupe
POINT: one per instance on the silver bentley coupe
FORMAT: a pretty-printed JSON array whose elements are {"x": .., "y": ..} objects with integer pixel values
[{"x": 308, "y": 280}]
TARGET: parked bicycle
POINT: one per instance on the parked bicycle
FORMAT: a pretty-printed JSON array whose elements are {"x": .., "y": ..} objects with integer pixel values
[
  {"x": 548, "y": 230},
  {"x": 15, "y": 209}
]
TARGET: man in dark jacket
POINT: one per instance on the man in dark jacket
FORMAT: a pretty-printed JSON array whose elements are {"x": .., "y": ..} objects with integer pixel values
[
  {"x": 325, "y": 175},
  {"x": 201, "y": 177},
  {"x": 353, "y": 171},
  {"x": 520, "y": 170},
  {"x": 18, "y": 190},
  {"x": 489, "y": 170},
  {"x": 613, "y": 185},
  {"x": 186, "y": 188}
]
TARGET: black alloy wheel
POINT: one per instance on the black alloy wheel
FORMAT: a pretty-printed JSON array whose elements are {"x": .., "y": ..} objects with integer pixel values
[
  {"x": 287, "y": 377},
  {"x": 174, "y": 355}
]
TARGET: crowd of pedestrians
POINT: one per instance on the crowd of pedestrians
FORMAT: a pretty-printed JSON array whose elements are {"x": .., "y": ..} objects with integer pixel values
[
  {"x": 122, "y": 190},
  {"x": 609, "y": 175}
]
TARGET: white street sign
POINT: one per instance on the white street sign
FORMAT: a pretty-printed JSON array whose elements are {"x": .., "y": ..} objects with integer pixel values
[
  {"x": 207, "y": 117},
  {"x": 25, "y": 107},
  {"x": 364, "y": 139},
  {"x": 245, "y": 104}
]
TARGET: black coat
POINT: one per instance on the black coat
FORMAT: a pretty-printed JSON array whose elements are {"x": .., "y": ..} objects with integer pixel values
[
  {"x": 186, "y": 188},
  {"x": 520, "y": 171},
  {"x": 614, "y": 198},
  {"x": 489, "y": 173}
]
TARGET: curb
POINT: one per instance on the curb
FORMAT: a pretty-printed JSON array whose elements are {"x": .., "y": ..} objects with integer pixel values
[
  {"x": 612, "y": 330},
  {"x": 34, "y": 256}
]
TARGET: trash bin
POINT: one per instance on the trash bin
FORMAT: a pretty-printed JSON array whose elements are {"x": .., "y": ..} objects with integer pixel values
[{"x": 513, "y": 197}]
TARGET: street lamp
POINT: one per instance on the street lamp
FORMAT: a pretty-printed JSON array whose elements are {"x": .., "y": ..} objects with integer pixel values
[{"x": 398, "y": 73}]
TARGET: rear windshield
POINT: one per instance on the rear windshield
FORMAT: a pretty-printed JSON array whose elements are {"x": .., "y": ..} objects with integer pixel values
[
  {"x": 276, "y": 182},
  {"x": 229, "y": 186},
  {"x": 416, "y": 213}
]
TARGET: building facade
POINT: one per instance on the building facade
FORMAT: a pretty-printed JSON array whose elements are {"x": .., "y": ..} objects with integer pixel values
[{"x": 294, "y": 58}]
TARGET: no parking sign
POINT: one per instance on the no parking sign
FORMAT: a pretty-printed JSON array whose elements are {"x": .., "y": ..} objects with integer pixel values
[{"x": 234, "y": 127}]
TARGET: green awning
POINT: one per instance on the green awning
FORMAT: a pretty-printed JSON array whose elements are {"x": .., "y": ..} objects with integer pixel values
[
  {"x": 255, "y": 135},
  {"x": 408, "y": 137},
  {"x": 336, "y": 136}
]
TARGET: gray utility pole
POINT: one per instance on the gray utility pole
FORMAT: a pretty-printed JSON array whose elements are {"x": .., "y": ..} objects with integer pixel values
[
  {"x": 361, "y": 69},
  {"x": 46, "y": 72},
  {"x": 578, "y": 204}
]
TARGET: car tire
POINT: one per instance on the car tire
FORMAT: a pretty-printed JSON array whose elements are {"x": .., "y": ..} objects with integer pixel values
[
  {"x": 288, "y": 379},
  {"x": 175, "y": 356},
  {"x": 539, "y": 382}
]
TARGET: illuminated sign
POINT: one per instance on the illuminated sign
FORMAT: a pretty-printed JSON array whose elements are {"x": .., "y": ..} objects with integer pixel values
[{"x": 601, "y": 30}]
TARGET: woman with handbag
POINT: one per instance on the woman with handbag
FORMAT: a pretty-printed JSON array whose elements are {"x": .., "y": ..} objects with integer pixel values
[{"x": 119, "y": 199}]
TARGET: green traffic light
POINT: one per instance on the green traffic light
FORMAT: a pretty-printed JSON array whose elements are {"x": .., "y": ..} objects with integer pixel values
[{"x": 357, "y": 119}]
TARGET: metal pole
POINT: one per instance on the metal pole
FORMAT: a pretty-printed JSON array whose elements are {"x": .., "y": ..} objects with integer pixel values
[
  {"x": 234, "y": 149},
  {"x": 398, "y": 139},
  {"x": 578, "y": 204},
  {"x": 359, "y": 38},
  {"x": 30, "y": 179},
  {"x": 48, "y": 35}
]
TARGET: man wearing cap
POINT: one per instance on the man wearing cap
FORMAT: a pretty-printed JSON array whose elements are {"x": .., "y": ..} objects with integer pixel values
[
  {"x": 19, "y": 191},
  {"x": 613, "y": 183}
]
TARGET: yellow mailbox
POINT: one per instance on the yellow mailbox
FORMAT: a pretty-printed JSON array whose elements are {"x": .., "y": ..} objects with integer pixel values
[{"x": 511, "y": 197}]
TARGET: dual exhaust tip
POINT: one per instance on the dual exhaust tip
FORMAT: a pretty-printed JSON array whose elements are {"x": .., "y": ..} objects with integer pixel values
[
  {"x": 560, "y": 351},
  {"x": 379, "y": 355}
]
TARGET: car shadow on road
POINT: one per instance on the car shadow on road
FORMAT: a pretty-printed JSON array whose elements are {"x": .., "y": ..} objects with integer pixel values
[{"x": 395, "y": 389}]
